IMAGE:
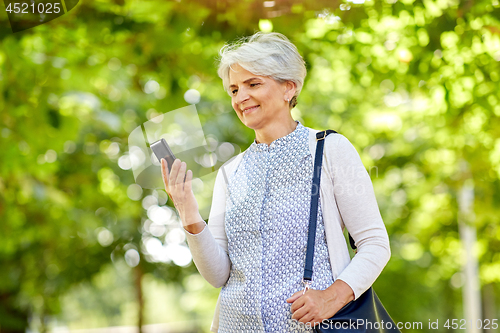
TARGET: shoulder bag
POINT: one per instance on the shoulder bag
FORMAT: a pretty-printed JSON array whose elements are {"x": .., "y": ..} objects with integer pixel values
[{"x": 363, "y": 315}]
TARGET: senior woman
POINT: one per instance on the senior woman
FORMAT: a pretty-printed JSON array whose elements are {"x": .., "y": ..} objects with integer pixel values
[{"x": 254, "y": 244}]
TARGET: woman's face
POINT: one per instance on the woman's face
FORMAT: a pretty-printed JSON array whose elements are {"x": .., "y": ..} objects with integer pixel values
[{"x": 258, "y": 100}]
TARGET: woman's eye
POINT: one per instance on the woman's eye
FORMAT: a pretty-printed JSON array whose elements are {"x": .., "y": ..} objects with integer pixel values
[
  {"x": 234, "y": 91},
  {"x": 254, "y": 84}
]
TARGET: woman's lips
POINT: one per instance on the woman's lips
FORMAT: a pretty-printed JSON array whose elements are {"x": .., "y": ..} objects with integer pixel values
[{"x": 247, "y": 111}]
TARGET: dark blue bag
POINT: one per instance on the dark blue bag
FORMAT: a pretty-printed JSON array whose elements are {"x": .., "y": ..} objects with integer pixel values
[{"x": 363, "y": 315}]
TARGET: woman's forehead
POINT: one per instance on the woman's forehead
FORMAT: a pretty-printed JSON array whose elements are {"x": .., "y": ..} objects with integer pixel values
[{"x": 239, "y": 74}]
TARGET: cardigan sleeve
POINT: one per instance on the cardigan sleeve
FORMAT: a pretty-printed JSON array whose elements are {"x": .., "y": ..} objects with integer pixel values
[
  {"x": 209, "y": 247},
  {"x": 360, "y": 214}
]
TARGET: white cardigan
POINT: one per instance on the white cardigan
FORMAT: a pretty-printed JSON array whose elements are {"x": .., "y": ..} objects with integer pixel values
[{"x": 347, "y": 199}]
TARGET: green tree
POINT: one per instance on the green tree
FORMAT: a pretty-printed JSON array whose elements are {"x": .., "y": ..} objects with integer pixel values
[{"x": 413, "y": 84}]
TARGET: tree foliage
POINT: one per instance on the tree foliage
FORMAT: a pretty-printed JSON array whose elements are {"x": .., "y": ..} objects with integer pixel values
[{"x": 412, "y": 84}]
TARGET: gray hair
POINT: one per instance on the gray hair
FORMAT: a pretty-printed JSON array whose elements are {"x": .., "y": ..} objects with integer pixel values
[{"x": 265, "y": 54}]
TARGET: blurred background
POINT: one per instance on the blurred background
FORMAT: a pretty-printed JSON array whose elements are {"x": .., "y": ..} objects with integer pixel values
[{"x": 414, "y": 85}]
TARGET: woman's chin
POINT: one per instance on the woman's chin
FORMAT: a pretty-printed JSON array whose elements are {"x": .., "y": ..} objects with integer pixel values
[
  {"x": 249, "y": 118},
  {"x": 250, "y": 123}
]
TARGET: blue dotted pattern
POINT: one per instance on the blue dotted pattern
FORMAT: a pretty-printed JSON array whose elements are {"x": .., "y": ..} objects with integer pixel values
[{"x": 267, "y": 219}]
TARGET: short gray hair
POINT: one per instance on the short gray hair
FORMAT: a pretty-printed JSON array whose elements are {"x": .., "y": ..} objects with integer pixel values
[{"x": 265, "y": 54}]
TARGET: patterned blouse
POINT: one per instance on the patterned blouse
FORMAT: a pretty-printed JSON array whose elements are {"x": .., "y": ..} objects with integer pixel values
[{"x": 267, "y": 220}]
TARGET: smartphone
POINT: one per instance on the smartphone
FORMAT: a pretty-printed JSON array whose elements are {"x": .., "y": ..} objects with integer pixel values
[{"x": 162, "y": 150}]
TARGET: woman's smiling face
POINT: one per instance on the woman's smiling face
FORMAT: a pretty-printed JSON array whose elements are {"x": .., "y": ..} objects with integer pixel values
[{"x": 257, "y": 100}]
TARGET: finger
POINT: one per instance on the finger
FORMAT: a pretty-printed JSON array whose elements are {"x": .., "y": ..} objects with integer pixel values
[
  {"x": 181, "y": 175},
  {"x": 164, "y": 173},
  {"x": 167, "y": 171},
  {"x": 294, "y": 297},
  {"x": 297, "y": 304},
  {"x": 189, "y": 178},
  {"x": 174, "y": 171},
  {"x": 306, "y": 318},
  {"x": 299, "y": 314}
]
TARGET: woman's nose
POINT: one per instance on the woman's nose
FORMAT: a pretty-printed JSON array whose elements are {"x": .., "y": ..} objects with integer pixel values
[{"x": 242, "y": 96}]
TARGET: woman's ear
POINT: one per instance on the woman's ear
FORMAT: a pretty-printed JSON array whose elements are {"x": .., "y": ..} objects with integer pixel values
[{"x": 290, "y": 87}]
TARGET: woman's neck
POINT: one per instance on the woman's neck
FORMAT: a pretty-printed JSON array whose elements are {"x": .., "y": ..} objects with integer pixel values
[{"x": 275, "y": 131}]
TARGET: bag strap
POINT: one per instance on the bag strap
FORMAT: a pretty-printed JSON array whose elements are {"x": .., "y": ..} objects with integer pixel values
[{"x": 311, "y": 238}]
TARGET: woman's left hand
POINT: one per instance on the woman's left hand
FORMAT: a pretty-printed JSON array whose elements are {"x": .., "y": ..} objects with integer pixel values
[{"x": 317, "y": 305}]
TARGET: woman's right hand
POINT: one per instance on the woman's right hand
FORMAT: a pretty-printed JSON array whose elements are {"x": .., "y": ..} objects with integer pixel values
[{"x": 178, "y": 188}]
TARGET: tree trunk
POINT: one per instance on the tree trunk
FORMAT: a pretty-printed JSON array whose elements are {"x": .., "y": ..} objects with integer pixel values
[
  {"x": 489, "y": 303},
  {"x": 12, "y": 319},
  {"x": 140, "y": 301}
]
